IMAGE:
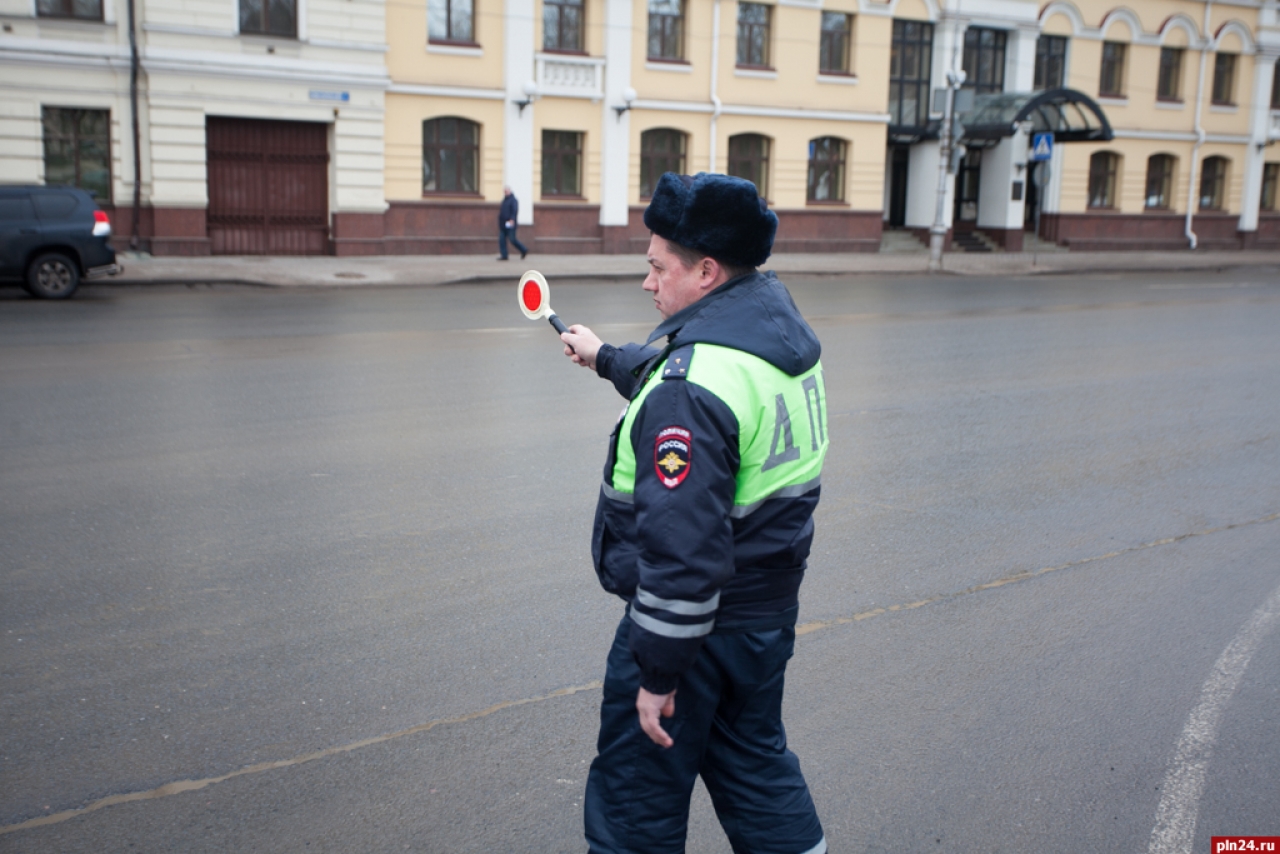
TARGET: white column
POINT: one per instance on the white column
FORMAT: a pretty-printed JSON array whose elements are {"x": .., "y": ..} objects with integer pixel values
[
  {"x": 1020, "y": 66},
  {"x": 1052, "y": 200},
  {"x": 615, "y": 137},
  {"x": 517, "y": 137},
  {"x": 948, "y": 55},
  {"x": 1259, "y": 124},
  {"x": 996, "y": 207}
]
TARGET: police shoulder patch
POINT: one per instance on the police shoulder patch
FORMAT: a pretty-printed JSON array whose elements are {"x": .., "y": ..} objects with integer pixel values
[{"x": 672, "y": 455}]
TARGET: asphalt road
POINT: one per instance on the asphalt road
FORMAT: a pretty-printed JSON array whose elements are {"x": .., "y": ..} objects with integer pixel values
[{"x": 308, "y": 570}]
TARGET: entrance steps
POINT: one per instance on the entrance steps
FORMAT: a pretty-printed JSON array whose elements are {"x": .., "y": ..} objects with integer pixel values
[{"x": 972, "y": 241}]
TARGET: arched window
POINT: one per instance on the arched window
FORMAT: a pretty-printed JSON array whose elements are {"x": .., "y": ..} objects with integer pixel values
[
  {"x": 1103, "y": 169},
  {"x": 1213, "y": 184},
  {"x": 826, "y": 169},
  {"x": 1160, "y": 171},
  {"x": 749, "y": 158},
  {"x": 450, "y": 156},
  {"x": 661, "y": 150}
]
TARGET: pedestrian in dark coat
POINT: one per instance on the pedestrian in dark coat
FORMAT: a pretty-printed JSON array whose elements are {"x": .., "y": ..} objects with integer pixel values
[
  {"x": 703, "y": 526},
  {"x": 507, "y": 215}
]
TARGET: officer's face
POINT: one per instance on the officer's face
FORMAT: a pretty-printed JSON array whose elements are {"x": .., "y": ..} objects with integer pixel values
[{"x": 673, "y": 285}]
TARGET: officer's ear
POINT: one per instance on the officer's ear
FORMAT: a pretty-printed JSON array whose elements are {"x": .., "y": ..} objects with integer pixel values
[{"x": 708, "y": 273}]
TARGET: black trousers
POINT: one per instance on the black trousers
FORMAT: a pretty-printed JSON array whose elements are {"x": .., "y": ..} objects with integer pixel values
[
  {"x": 505, "y": 234},
  {"x": 728, "y": 728}
]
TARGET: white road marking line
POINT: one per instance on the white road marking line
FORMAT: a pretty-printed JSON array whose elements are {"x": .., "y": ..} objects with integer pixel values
[{"x": 1179, "y": 806}]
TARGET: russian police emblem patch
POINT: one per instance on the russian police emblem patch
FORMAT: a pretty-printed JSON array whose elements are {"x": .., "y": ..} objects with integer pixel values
[{"x": 672, "y": 453}]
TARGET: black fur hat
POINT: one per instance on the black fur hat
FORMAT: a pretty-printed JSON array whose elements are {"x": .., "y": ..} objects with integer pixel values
[{"x": 716, "y": 214}]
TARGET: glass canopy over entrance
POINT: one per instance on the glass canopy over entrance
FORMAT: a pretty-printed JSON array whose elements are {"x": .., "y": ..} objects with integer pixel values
[{"x": 1070, "y": 115}]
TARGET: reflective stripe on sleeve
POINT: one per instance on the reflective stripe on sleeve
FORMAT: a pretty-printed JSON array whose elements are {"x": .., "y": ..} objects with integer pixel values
[
  {"x": 671, "y": 630},
  {"x": 794, "y": 491},
  {"x": 678, "y": 606},
  {"x": 614, "y": 495}
]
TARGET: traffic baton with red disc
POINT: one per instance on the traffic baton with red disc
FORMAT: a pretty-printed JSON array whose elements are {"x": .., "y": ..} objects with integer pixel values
[{"x": 535, "y": 300}]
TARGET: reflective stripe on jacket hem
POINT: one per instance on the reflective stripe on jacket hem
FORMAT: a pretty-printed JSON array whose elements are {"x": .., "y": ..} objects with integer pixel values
[
  {"x": 794, "y": 491},
  {"x": 683, "y": 607}
]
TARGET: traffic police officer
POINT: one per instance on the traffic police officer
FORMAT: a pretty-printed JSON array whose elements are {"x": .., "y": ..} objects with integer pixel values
[{"x": 703, "y": 526}]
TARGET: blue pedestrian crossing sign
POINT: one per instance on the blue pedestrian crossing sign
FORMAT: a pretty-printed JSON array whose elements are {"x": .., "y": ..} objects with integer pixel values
[{"x": 1042, "y": 147}]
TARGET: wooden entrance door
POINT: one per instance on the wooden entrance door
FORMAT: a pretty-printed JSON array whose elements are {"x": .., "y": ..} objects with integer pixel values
[{"x": 268, "y": 187}]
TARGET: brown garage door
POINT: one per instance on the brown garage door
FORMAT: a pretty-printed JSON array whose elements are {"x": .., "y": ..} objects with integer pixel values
[{"x": 268, "y": 187}]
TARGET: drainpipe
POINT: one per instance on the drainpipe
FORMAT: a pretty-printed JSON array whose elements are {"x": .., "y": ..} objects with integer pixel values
[
  {"x": 1192, "y": 240},
  {"x": 715, "y": 74},
  {"x": 134, "y": 240}
]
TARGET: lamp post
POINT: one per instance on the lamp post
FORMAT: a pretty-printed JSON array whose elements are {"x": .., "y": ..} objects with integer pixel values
[{"x": 938, "y": 233}]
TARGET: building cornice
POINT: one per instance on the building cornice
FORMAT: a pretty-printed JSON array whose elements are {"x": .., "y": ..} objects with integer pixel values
[{"x": 277, "y": 69}]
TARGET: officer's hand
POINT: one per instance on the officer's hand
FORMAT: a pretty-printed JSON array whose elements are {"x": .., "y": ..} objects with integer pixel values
[
  {"x": 582, "y": 345},
  {"x": 650, "y": 706}
]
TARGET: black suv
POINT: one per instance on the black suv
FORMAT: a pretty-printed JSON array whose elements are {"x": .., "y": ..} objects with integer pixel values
[{"x": 51, "y": 238}]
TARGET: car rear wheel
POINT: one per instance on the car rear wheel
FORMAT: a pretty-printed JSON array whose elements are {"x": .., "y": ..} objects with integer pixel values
[{"x": 52, "y": 276}]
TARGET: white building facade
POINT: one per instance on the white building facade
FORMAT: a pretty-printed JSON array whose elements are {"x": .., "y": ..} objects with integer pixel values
[{"x": 238, "y": 126}]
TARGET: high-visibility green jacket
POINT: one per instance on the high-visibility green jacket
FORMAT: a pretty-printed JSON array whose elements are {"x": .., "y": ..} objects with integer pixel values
[{"x": 705, "y": 517}]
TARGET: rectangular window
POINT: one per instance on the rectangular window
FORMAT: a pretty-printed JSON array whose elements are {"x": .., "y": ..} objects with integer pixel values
[
  {"x": 833, "y": 50},
  {"x": 269, "y": 18},
  {"x": 1213, "y": 183},
  {"x": 1224, "y": 78},
  {"x": 910, "y": 61},
  {"x": 984, "y": 59},
  {"x": 1102, "y": 179},
  {"x": 826, "y": 169},
  {"x": 666, "y": 30},
  {"x": 561, "y": 163},
  {"x": 1111, "y": 75},
  {"x": 753, "y": 34},
  {"x": 451, "y": 21},
  {"x": 83, "y": 10},
  {"x": 1051, "y": 63},
  {"x": 77, "y": 149},
  {"x": 749, "y": 158},
  {"x": 1270, "y": 177},
  {"x": 1159, "y": 181},
  {"x": 1275, "y": 88},
  {"x": 1169, "y": 84},
  {"x": 562, "y": 25}
]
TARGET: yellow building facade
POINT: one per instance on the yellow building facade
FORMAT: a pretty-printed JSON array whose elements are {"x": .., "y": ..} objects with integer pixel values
[{"x": 834, "y": 108}]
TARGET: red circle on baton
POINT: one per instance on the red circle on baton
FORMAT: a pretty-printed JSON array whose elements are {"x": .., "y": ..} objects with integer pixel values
[{"x": 532, "y": 295}]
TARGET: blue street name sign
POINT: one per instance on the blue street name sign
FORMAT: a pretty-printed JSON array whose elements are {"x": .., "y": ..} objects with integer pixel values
[
  {"x": 321, "y": 95},
  {"x": 1042, "y": 147}
]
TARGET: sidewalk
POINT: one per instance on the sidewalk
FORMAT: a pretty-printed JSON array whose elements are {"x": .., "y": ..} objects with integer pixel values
[{"x": 430, "y": 270}]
